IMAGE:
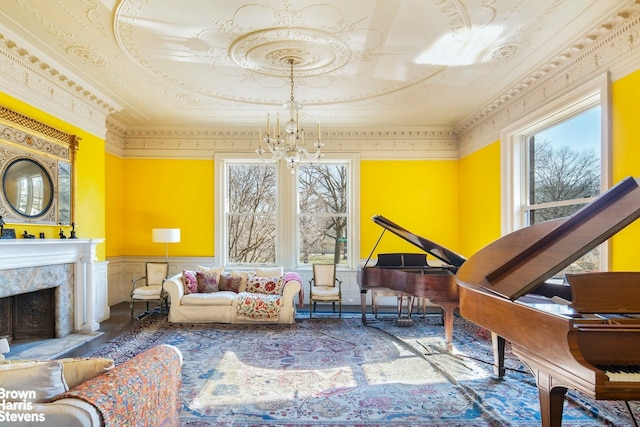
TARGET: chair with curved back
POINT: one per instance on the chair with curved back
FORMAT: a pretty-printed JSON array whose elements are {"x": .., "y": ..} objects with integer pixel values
[
  {"x": 152, "y": 290},
  {"x": 325, "y": 287}
]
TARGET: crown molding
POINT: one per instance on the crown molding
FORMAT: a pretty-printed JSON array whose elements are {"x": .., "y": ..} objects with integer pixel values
[
  {"x": 27, "y": 75},
  {"x": 611, "y": 48},
  {"x": 204, "y": 143}
]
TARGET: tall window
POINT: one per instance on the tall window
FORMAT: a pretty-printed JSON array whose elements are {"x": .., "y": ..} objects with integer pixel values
[
  {"x": 555, "y": 162},
  {"x": 270, "y": 216},
  {"x": 323, "y": 209},
  {"x": 251, "y": 213}
]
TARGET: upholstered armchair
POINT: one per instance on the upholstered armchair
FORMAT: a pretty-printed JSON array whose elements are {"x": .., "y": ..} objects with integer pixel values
[
  {"x": 151, "y": 289},
  {"x": 325, "y": 287}
]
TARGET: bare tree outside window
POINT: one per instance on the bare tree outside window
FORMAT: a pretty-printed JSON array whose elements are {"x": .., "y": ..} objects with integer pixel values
[
  {"x": 251, "y": 213},
  {"x": 561, "y": 174},
  {"x": 563, "y": 178},
  {"x": 323, "y": 211}
]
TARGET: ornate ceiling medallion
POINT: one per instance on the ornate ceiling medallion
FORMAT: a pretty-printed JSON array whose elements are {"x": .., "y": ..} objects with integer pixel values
[{"x": 270, "y": 51}]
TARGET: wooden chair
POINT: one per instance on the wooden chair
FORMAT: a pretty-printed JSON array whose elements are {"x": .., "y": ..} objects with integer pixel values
[
  {"x": 325, "y": 287},
  {"x": 156, "y": 273}
]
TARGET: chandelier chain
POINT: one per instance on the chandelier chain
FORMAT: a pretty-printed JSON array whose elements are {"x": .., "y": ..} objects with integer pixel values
[{"x": 291, "y": 77}]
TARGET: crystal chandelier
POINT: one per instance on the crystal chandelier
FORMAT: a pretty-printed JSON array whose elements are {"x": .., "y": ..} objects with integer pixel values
[{"x": 291, "y": 145}]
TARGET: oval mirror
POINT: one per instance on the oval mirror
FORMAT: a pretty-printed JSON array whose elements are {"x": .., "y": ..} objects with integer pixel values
[{"x": 27, "y": 187}]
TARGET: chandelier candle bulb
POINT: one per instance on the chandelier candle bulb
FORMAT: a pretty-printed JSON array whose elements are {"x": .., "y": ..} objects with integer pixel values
[{"x": 268, "y": 124}]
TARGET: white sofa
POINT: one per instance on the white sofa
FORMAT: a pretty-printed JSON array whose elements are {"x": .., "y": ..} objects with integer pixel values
[{"x": 222, "y": 306}]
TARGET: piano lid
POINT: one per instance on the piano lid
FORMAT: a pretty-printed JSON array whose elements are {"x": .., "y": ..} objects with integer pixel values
[
  {"x": 518, "y": 262},
  {"x": 440, "y": 252}
]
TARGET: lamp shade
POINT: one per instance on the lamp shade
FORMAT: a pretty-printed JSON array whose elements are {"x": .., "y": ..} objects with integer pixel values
[{"x": 165, "y": 235}]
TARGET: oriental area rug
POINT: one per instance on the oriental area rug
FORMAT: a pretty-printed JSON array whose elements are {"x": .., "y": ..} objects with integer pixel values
[{"x": 338, "y": 372}]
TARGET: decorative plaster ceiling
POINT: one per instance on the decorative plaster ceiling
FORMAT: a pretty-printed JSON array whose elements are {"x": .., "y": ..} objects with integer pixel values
[{"x": 374, "y": 64}]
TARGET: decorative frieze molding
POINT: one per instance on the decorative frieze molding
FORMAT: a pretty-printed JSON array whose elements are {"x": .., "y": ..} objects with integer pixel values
[
  {"x": 433, "y": 142},
  {"x": 613, "y": 47},
  {"x": 28, "y": 75}
]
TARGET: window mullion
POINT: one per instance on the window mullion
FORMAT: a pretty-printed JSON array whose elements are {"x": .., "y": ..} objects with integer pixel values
[{"x": 287, "y": 230}]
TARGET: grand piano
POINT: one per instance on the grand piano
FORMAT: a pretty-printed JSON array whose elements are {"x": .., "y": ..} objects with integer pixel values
[
  {"x": 412, "y": 275},
  {"x": 586, "y": 345}
]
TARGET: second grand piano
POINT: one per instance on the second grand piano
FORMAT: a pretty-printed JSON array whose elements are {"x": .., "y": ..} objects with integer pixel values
[{"x": 416, "y": 279}]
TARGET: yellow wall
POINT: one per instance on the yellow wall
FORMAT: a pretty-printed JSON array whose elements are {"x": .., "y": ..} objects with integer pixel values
[
  {"x": 625, "y": 130},
  {"x": 420, "y": 196},
  {"x": 479, "y": 195},
  {"x": 161, "y": 193},
  {"x": 90, "y": 179},
  {"x": 114, "y": 203}
]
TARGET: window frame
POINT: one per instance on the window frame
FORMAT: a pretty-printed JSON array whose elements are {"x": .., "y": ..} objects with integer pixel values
[
  {"x": 287, "y": 237},
  {"x": 513, "y": 156}
]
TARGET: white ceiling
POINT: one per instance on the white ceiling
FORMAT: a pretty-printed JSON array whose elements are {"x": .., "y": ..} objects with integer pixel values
[{"x": 359, "y": 63}]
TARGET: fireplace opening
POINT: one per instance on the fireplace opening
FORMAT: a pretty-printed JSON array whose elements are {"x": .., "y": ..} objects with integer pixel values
[{"x": 28, "y": 316}]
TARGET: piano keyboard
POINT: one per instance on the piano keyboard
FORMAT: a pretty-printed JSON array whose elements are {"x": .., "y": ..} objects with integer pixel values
[{"x": 624, "y": 373}]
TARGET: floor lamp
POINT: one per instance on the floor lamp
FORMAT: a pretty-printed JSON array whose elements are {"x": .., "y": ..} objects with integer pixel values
[{"x": 166, "y": 236}]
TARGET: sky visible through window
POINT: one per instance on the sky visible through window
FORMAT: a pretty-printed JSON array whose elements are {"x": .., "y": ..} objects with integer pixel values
[{"x": 581, "y": 132}]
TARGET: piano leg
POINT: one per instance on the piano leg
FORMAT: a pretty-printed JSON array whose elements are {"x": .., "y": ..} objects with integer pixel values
[
  {"x": 551, "y": 405},
  {"x": 551, "y": 396},
  {"x": 448, "y": 308},
  {"x": 498, "y": 355},
  {"x": 363, "y": 305}
]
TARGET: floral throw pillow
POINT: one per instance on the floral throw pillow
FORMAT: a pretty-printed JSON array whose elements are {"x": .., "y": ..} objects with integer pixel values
[
  {"x": 207, "y": 282},
  {"x": 265, "y": 285},
  {"x": 189, "y": 281},
  {"x": 230, "y": 283}
]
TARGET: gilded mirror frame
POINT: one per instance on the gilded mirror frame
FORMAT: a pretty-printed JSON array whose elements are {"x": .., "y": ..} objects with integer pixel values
[{"x": 49, "y": 154}]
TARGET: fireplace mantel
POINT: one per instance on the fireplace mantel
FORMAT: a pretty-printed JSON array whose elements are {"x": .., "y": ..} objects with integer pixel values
[{"x": 25, "y": 253}]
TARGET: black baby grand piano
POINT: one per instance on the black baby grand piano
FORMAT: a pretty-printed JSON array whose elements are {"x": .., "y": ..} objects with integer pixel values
[
  {"x": 411, "y": 274},
  {"x": 581, "y": 346}
]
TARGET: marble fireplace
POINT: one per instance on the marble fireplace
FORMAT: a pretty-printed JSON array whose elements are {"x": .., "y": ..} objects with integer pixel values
[{"x": 69, "y": 267}]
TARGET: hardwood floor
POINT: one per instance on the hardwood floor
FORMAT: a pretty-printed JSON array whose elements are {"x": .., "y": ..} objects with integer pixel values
[{"x": 119, "y": 321}]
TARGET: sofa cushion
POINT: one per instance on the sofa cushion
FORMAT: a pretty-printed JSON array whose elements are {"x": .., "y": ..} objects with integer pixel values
[
  {"x": 224, "y": 298},
  {"x": 44, "y": 379},
  {"x": 265, "y": 285},
  {"x": 269, "y": 272},
  {"x": 230, "y": 283},
  {"x": 189, "y": 281},
  {"x": 207, "y": 281},
  {"x": 81, "y": 369},
  {"x": 243, "y": 275},
  {"x": 219, "y": 271}
]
